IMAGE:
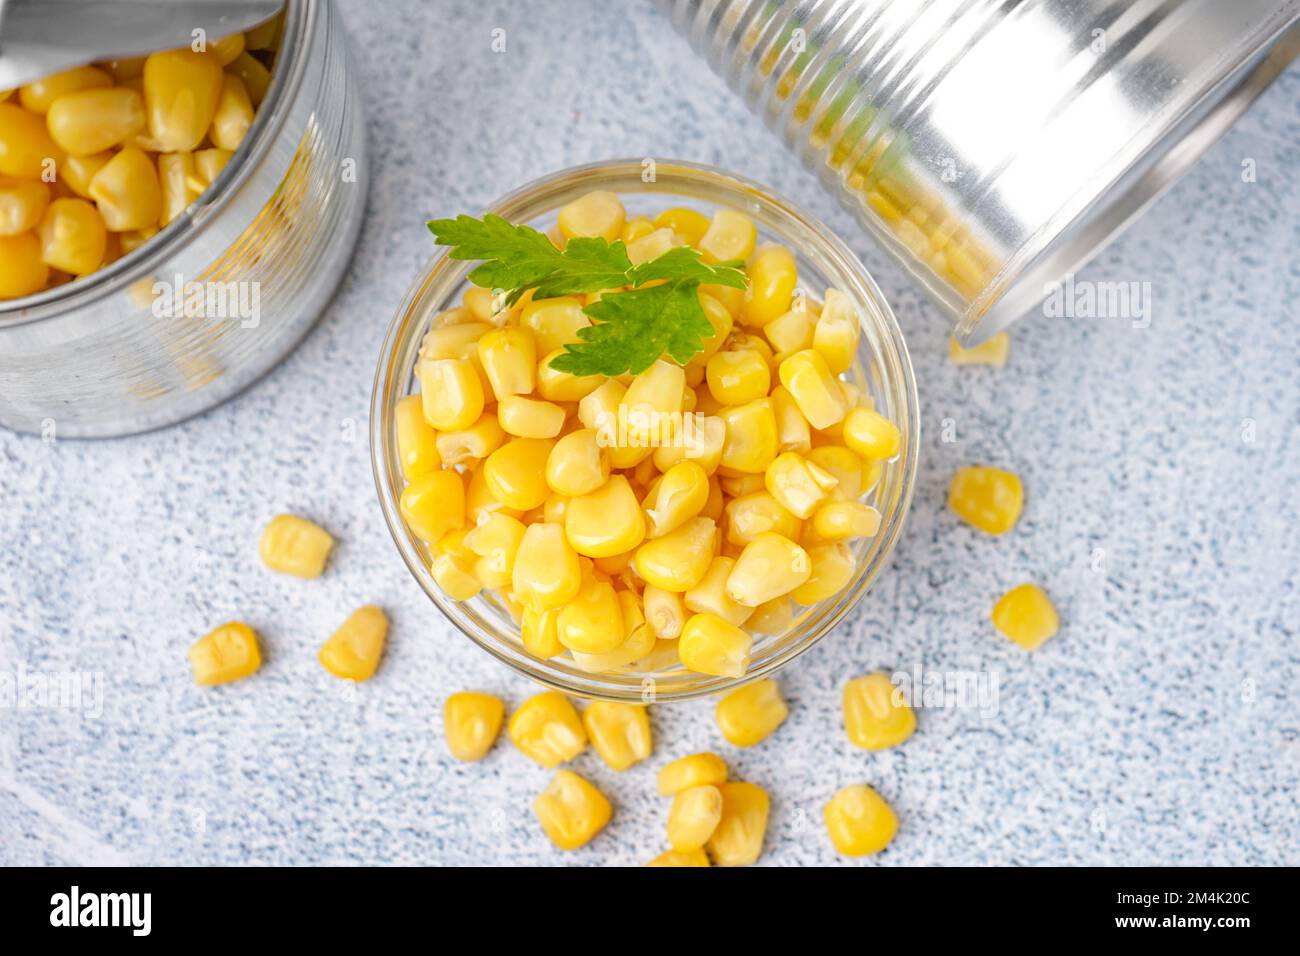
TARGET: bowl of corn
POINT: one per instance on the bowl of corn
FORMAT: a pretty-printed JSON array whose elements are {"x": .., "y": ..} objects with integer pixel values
[
  {"x": 668, "y": 534},
  {"x": 171, "y": 224}
]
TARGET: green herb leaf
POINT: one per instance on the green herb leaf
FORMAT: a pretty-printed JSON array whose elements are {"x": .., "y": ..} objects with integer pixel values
[
  {"x": 683, "y": 262},
  {"x": 632, "y": 329}
]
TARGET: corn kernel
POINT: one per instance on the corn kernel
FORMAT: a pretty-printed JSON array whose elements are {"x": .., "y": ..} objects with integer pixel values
[
  {"x": 798, "y": 484},
  {"x": 599, "y": 409},
  {"x": 634, "y": 229},
  {"x": 693, "y": 817},
  {"x": 663, "y": 612},
  {"x": 845, "y": 465},
  {"x": 38, "y": 95},
  {"x": 433, "y": 504},
  {"x": 1026, "y": 615},
  {"x": 21, "y": 270},
  {"x": 770, "y": 566},
  {"x": 546, "y": 572},
  {"x": 738, "y": 839},
  {"x": 537, "y": 631},
  {"x": 772, "y": 277},
  {"x": 483, "y": 306},
  {"x": 556, "y": 386},
  {"x": 577, "y": 464},
  {"x": 697, "y": 770},
  {"x": 509, "y": 359},
  {"x": 876, "y": 715},
  {"x": 859, "y": 821},
  {"x": 758, "y": 513},
  {"x": 870, "y": 434},
  {"x": 176, "y": 176},
  {"x": 702, "y": 440},
  {"x": 673, "y": 858},
  {"x": 751, "y": 442},
  {"x": 296, "y": 546},
  {"x": 471, "y": 722},
  {"x": 792, "y": 430},
  {"x": 988, "y": 498},
  {"x": 182, "y": 90},
  {"x": 22, "y": 204},
  {"x": 77, "y": 171},
  {"x": 653, "y": 395},
  {"x": 835, "y": 337},
  {"x": 455, "y": 578},
  {"x": 469, "y": 444},
  {"x": 353, "y": 651},
  {"x": 721, "y": 321},
  {"x": 496, "y": 542},
  {"x": 93, "y": 120},
  {"x": 452, "y": 393},
  {"x": 572, "y": 811},
  {"x": 606, "y": 521},
  {"x": 792, "y": 331},
  {"x": 229, "y": 653},
  {"x": 226, "y": 48},
  {"x": 516, "y": 472},
  {"x": 679, "y": 496},
  {"x": 994, "y": 352},
  {"x": 751, "y": 714},
  {"x": 651, "y": 246},
  {"x": 833, "y": 568},
  {"x": 714, "y": 646},
  {"x": 592, "y": 622},
  {"x": 814, "y": 389},
  {"x": 619, "y": 732},
  {"x": 598, "y": 213},
  {"x": 256, "y": 77},
  {"x": 771, "y": 617},
  {"x": 529, "y": 417},
  {"x": 208, "y": 164},
  {"x": 678, "y": 561},
  {"x": 738, "y": 377},
  {"x": 234, "y": 114},
  {"x": 637, "y": 645},
  {"x": 127, "y": 192},
  {"x": 687, "y": 223},
  {"x": 845, "y": 520},
  {"x": 73, "y": 237},
  {"x": 710, "y": 595},
  {"x": 546, "y": 728},
  {"x": 26, "y": 150},
  {"x": 554, "y": 323},
  {"x": 730, "y": 236}
]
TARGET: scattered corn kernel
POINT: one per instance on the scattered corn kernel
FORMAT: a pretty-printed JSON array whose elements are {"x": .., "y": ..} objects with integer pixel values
[
  {"x": 994, "y": 352},
  {"x": 1027, "y": 616},
  {"x": 353, "y": 651},
  {"x": 471, "y": 722},
  {"x": 571, "y": 810},
  {"x": 693, "y": 817},
  {"x": 988, "y": 498},
  {"x": 696, "y": 770},
  {"x": 295, "y": 546},
  {"x": 673, "y": 858},
  {"x": 228, "y": 653},
  {"x": 547, "y": 729},
  {"x": 876, "y": 715},
  {"x": 751, "y": 714},
  {"x": 738, "y": 838},
  {"x": 619, "y": 732},
  {"x": 859, "y": 821}
]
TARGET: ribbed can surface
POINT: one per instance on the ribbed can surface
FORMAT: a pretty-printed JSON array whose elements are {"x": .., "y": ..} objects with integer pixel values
[{"x": 994, "y": 145}]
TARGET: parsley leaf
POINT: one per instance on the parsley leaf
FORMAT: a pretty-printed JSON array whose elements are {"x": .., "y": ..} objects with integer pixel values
[{"x": 683, "y": 262}]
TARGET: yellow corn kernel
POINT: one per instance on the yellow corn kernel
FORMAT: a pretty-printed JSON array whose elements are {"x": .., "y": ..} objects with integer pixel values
[
  {"x": 529, "y": 417},
  {"x": 835, "y": 336},
  {"x": 710, "y": 595},
  {"x": 227, "y": 48},
  {"x": 870, "y": 434},
  {"x": 546, "y": 728},
  {"x": 571, "y": 810},
  {"x": 770, "y": 566},
  {"x": 791, "y": 331},
  {"x": 470, "y": 444},
  {"x": 556, "y": 505},
  {"x": 730, "y": 236},
  {"x": 256, "y": 77},
  {"x": 483, "y": 306},
  {"x": 664, "y": 612},
  {"x": 38, "y": 95},
  {"x": 22, "y": 205},
  {"x": 678, "y": 561},
  {"x": 471, "y": 722},
  {"x": 687, "y": 223},
  {"x": 182, "y": 89},
  {"x": 136, "y": 238},
  {"x": 516, "y": 472},
  {"x": 554, "y": 323},
  {"x": 452, "y": 393},
  {"x": 606, "y": 521},
  {"x": 771, "y": 617},
  {"x": 592, "y": 622},
  {"x": 1026, "y": 615},
  {"x": 639, "y": 643},
  {"x": 537, "y": 631},
  {"x": 496, "y": 542},
  {"x": 632, "y": 230},
  {"x": 721, "y": 321},
  {"x": 546, "y": 572},
  {"x": 577, "y": 464},
  {"x": 653, "y": 395},
  {"x": 73, "y": 237},
  {"x": 845, "y": 465},
  {"x": 673, "y": 858},
  {"x": 738, "y": 838},
  {"x": 738, "y": 377},
  {"x": 792, "y": 430},
  {"x": 353, "y": 651},
  {"x": 651, "y": 246},
  {"x": 93, "y": 120},
  {"x": 679, "y": 496},
  {"x": 176, "y": 176},
  {"x": 714, "y": 646},
  {"x": 988, "y": 498},
  {"x": 127, "y": 192},
  {"x": 859, "y": 821},
  {"x": 751, "y": 441},
  {"x": 229, "y": 653},
  {"x": 751, "y": 714},
  {"x": 296, "y": 546},
  {"x": 845, "y": 520},
  {"x": 798, "y": 484},
  {"x": 21, "y": 270},
  {"x": 234, "y": 114},
  {"x": 433, "y": 504},
  {"x": 598, "y": 213},
  {"x": 701, "y": 441},
  {"x": 772, "y": 277},
  {"x": 619, "y": 732},
  {"x": 417, "y": 447},
  {"x": 701, "y": 769},
  {"x": 208, "y": 164},
  {"x": 833, "y": 567},
  {"x": 598, "y": 410},
  {"x": 693, "y": 817},
  {"x": 994, "y": 352},
  {"x": 876, "y": 715},
  {"x": 509, "y": 359},
  {"x": 26, "y": 150},
  {"x": 77, "y": 171},
  {"x": 814, "y": 389},
  {"x": 759, "y": 513},
  {"x": 556, "y": 386},
  {"x": 454, "y": 577}
]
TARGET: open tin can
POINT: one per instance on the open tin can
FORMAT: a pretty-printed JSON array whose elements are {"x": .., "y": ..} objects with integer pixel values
[{"x": 995, "y": 147}]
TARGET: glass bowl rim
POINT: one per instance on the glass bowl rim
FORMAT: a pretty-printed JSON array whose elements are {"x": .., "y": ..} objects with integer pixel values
[{"x": 411, "y": 316}]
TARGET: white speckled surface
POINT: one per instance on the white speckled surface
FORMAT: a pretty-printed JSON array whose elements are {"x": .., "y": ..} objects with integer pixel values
[{"x": 1161, "y": 726}]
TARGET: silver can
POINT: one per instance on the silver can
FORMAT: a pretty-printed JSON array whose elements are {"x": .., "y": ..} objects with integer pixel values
[
  {"x": 227, "y": 290},
  {"x": 994, "y": 147}
]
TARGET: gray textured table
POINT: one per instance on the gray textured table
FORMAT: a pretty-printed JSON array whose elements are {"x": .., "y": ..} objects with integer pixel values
[{"x": 1161, "y": 726}]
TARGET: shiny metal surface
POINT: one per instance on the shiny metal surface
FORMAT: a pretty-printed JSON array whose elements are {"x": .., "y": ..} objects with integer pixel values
[{"x": 995, "y": 145}]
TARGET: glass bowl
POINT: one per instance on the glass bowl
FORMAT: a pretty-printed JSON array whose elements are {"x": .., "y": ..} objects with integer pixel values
[{"x": 882, "y": 368}]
